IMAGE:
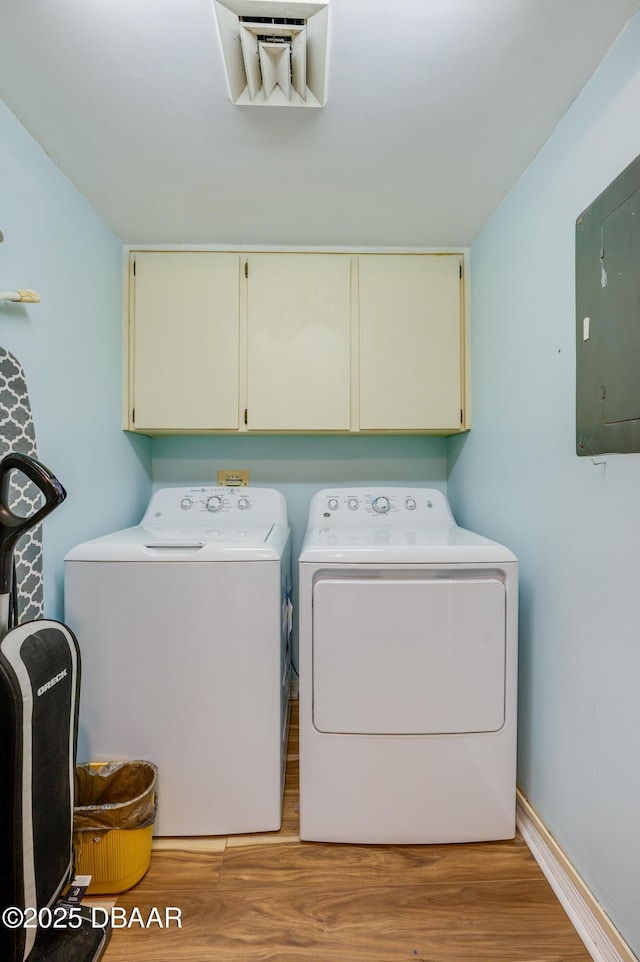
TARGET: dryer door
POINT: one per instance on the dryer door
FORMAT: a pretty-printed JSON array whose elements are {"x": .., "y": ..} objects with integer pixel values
[{"x": 423, "y": 655}]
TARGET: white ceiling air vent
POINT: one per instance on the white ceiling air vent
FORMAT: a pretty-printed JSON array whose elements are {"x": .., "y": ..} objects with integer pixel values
[{"x": 275, "y": 52}]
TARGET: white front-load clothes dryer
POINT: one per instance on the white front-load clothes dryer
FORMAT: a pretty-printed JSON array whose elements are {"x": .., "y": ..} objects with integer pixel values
[
  {"x": 408, "y": 650},
  {"x": 183, "y": 623}
]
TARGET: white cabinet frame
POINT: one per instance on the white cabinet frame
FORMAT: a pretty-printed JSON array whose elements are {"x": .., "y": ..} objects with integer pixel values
[{"x": 319, "y": 378}]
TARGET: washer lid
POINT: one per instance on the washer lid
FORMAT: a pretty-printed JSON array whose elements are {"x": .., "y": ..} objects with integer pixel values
[
  {"x": 395, "y": 544},
  {"x": 174, "y": 542}
]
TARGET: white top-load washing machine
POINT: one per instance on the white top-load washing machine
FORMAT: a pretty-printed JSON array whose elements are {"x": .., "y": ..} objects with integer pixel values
[
  {"x": 408, "y": 649},
  {"x": 184, "y": 628}
]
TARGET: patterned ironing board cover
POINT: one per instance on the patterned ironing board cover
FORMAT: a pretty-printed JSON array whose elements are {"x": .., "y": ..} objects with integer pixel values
[{"x": 17, "y": 434}]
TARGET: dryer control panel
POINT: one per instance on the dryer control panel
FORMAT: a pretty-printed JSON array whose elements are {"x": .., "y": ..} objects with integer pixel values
[{"x": 393, "y": 505}]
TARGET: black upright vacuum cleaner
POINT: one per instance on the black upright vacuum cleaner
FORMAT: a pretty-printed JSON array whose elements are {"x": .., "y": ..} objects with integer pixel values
[{"x": 39, "y": 700}]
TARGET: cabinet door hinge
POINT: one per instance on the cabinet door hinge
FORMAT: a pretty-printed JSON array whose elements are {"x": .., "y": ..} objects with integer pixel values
[
  {"x": 461, "y": 416},
  {"x": 603, "y": 392},
  {"x": 134, "y": 267},
  {"x": 461, "y": 272},
  {"x": 246, "y": 415},
  {"x": 246, "y": 268},
  {"x": 133, "y": 416}
]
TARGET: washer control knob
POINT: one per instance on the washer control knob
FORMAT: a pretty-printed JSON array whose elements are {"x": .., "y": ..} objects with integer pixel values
[
  {"x": 243, "y": 503},
  {"x": 410, "y": 504},
  {"x": 333, "y": 504},
  {"x": 214, "y": 503},
  {"x": 186, "y": 503},
  {"x": 353, "y": 504},
  {"x": 381, "y": 505}
]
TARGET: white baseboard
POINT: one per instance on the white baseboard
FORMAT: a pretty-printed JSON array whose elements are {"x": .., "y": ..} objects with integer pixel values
[{"x": 601, "y": 938}]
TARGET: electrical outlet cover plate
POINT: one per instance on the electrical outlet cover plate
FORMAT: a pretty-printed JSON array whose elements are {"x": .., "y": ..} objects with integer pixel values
[{"x": 233, "y": 479}]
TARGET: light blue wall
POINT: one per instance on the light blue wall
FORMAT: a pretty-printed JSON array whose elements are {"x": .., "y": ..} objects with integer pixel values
[
  {"x": 573, "y": 522},
  {"x": 70, "y": 346}
]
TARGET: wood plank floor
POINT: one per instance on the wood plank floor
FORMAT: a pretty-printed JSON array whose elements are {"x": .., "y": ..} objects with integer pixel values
[{"x": 272, "y": 898}]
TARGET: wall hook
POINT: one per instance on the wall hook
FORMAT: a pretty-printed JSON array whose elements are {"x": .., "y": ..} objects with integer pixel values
[{"x": 26, "y": 297}]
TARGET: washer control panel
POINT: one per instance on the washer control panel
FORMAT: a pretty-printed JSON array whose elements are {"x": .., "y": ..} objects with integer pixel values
[
  {"x": 198, "y": 504},
  {"x": 393, "y": 505}
]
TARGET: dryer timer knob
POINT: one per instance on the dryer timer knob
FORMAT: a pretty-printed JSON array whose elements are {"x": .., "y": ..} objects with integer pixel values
[
  {"x": 214, "y": 503},
  {"x": 381, "y": 505}
]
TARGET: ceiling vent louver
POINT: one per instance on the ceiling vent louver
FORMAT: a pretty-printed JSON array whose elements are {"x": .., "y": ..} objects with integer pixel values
[{"x": 275, "y": 53}]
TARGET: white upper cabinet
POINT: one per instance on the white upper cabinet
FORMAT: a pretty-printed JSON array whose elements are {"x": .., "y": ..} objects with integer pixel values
[
  {"x": 305, "y": 342},
  {"x": 184, "y": 344},
  {"x": 410, "y": 342},
  {"x": 298, "y": 342}
]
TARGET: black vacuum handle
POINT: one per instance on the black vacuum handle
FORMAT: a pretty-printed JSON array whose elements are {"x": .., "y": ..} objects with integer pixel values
[{"x": 12, "y": 526}]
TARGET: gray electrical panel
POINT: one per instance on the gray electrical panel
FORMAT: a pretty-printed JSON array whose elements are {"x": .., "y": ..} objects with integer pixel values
[{"x": 608, "y": 319}]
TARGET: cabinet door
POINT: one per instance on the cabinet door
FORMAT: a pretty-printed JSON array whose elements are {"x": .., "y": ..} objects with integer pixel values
[
  {"x": 410, "y": 342},
  {"x": 185, "y": 340},
  {"x": 298, "y": 315}
]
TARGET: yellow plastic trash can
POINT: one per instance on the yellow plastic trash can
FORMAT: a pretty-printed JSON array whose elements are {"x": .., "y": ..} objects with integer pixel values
[{"x": 113, "y": 817}]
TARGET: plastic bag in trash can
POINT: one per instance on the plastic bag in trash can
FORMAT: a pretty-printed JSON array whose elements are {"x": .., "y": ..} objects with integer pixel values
[{"x": 120, "y": 795}]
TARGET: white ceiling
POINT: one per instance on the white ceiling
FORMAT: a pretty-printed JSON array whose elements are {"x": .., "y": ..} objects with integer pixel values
[{"x": 434, "y": 109}]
